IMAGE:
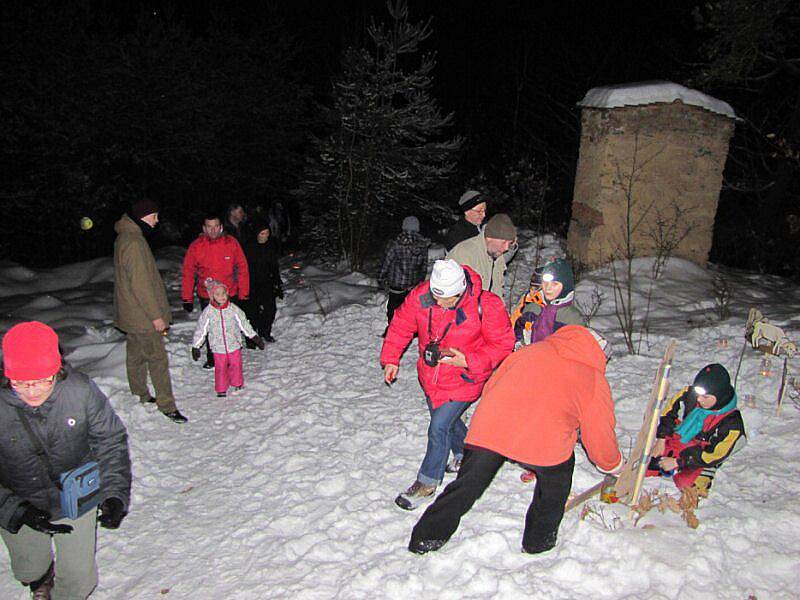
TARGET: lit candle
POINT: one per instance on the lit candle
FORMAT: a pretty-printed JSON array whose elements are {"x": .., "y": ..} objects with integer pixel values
[{"x": 766, "y": 366}]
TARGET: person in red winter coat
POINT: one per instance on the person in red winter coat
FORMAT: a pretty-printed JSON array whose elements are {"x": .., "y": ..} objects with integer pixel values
[
  {"x": 464, "y": 333},
  {"x": 218, "y": 256}
]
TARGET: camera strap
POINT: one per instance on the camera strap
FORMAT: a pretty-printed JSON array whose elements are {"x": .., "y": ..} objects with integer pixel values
[
  {"x": 430, "y": 328},
  {"x": 41, "y": 453}
]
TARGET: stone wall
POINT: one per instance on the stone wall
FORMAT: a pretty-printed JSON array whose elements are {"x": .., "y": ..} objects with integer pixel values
[{"x": 664, "y": 162}]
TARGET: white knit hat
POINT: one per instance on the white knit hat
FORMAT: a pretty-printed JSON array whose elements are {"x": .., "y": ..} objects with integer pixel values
[{"x": 447, "y": 279}]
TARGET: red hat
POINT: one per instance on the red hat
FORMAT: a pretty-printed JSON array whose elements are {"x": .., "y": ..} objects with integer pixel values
[{"x": 30, "y": 352}]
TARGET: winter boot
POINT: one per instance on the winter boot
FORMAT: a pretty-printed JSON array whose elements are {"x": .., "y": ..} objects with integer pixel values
[
  {"x": 147, "y": 399},
  {"x": 222, "y": 394},
  {"x": 40, "y": 589},
  {"x": 416, "y": 495}
]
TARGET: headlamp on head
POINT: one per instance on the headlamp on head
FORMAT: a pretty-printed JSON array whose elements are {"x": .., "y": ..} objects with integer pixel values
[
  {"x": 700, "y": 390},
  {"x": 548, "y": 277}
]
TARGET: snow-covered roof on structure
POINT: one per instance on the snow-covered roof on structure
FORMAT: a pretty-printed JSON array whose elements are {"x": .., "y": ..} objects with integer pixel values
[{"x": 652, "y": 92}]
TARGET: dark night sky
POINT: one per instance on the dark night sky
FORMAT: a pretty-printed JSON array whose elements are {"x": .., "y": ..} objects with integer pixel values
[{"x": 569, "y": 46}]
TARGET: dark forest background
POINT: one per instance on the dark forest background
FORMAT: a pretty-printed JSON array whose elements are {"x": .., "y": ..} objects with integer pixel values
[{"x": 199, "y": 104}]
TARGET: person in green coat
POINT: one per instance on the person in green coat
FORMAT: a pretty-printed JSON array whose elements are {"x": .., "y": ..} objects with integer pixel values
[{"x": 141, "y": 308}]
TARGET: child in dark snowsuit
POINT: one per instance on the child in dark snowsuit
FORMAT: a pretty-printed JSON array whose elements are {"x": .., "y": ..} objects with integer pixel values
[
  {"x": 547, "y": 305},
  {"x": 699, "y": 429}
]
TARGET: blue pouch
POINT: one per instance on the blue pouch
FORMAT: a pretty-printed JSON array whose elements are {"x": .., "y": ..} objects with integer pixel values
[{"x": 80, "y": 490}]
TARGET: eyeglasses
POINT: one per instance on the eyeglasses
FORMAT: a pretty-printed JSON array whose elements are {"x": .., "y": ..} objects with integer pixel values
[{"x": 36, "y": 383}]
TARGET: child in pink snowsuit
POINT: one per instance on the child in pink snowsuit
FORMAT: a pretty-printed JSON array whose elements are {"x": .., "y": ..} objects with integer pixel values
[{"x": 223, "y": 323}]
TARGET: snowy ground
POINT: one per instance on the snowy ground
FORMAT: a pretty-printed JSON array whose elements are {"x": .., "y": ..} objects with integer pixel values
[{"x": 286, "y": 490}]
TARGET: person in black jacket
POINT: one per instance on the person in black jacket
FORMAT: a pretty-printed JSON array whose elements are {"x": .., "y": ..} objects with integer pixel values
[
  {"x": 265, "y": 280},
  {"x": 473, "y": 205},
  {"x": 54, "y": 420}
]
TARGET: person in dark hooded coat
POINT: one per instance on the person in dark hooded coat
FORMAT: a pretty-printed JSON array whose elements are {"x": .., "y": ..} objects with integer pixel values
[{"x": 265, "y": 279}]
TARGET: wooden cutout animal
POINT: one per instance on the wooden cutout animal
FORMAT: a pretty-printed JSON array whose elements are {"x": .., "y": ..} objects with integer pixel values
[{"x": 759, "y": 330}]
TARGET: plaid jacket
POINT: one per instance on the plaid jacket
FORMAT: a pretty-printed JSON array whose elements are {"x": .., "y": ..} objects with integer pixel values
[{"x": 405, "y": 262}]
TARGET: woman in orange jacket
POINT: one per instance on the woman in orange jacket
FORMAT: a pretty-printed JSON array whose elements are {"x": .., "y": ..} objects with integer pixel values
[{"x": 530, "y": 412}]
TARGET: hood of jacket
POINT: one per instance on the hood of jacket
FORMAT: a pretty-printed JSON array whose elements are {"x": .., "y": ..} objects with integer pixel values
[
  {"x": 575, "y": 343},
  {"x": 126, "y": 225}
]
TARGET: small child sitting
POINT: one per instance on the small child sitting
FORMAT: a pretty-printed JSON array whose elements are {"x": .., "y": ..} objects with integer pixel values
[
  {"x": 698, "y": 430},
  {"x": 547, "y": 306},
  {"x": 223, "y": 322}
]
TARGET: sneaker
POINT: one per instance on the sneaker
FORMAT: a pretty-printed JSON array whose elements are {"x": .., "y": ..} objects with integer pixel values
[
  {"x": 222, "y": 394},
  {"x": 453, "y": 466},
  {"x": 414, "y": 496},
  {"x": 147, "y": 399},
  {"x": 528, "y": 477},
  {"x": 176, "y": 416},
  {"x": 209, "y": 364}
]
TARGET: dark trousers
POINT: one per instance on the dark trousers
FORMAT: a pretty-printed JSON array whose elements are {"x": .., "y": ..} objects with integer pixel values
[
  {"x": 395, "y": 300},
  {"x": 261, "y": 314},
  {"x": 545, "y": 512}
]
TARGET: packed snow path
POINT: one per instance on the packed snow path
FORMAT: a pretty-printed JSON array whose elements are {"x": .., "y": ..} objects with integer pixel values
[{"x": 285, "y": 490}]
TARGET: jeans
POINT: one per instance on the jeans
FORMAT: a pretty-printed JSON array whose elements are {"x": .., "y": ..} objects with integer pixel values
[
  {"x": 446, "y": 432},
  {"x": 545, "y": 511}
]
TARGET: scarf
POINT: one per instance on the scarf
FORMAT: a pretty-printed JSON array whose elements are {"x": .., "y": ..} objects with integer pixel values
[{"x": 693, "y": 423}]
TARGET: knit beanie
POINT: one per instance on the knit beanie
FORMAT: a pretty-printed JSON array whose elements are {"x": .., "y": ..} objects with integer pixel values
[
  {"x": 447, "y": 278},
  {"x": 142, "y": 208},
  {"x": 561, "y": 271},
  {"x": 500, "y": 227},
  {"x": 470, "y": 200},
  {"x": 411, "y": 224},
  {"x": 714, "y": 379},
  {"x": 211, "y": 284},
  {"x": 30, "y": 352}
]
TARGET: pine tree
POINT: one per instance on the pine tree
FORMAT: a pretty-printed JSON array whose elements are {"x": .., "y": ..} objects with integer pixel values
[{"x": 387, "y": 148}]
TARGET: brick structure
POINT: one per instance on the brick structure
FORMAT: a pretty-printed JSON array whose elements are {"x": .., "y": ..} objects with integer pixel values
[{"x": 660, "y": 149}]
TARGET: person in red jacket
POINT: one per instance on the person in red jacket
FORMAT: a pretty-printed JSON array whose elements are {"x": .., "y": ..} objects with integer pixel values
[
  {"x": 215, "y": 255},
  {"x": 530, "y": 412},
  {"x": 463, "y": 334}
]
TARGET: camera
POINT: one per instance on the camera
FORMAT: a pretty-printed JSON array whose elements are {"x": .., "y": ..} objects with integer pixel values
[{"x": 432, "y": 354}]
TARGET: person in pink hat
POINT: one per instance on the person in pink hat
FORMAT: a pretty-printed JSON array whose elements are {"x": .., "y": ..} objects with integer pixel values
[{"x": 55, "y": 421}]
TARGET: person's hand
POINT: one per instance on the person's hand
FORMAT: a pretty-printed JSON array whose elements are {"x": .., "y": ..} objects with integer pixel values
[
  {"x": 390, "y": 373},
  {"x": 659, "y": 447},
  {"x": 40, "y": 521},
  {"x": 453, "y": 357},
  {"x": 256, "y": 339},
  {"x": 195, "y": 354},
  {"x": 668, "y": 463},
  {"x": 278, "y": 292},
  {"x": 111, "y": 513},
  {"x": 159, "y": 324},
  {"x": 188, "y": 306}
]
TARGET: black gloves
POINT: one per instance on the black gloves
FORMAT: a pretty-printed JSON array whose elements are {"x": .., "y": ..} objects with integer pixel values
[
  {"x": 195, "y": 354},
  {"x": 278, "y": 292},
  {"x": 40, "y": 520},
  {"x": 258, "y": 341},
  {"x": 188, "y": 307},
  {"x": 111, "y": 513}
]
